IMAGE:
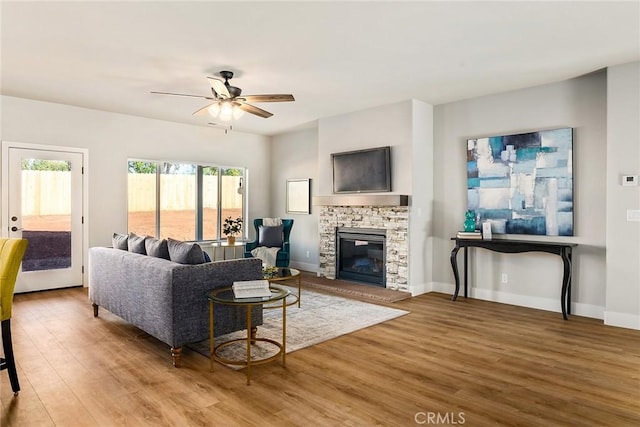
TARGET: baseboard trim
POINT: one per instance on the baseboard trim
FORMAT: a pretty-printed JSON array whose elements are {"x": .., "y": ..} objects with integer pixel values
[
  {"x": 305, "y": 266},
  {"x": 622, "y": 320},
  {"x": 420, "y": 288},
  {"x": 540, "y": 303}
]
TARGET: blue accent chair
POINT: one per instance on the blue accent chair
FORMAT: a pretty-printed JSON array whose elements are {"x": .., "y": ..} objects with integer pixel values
[{"x": 283, "y": 257}]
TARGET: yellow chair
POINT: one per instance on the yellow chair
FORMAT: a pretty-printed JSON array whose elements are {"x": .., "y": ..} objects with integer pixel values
[{"x": 11, "y": 253}]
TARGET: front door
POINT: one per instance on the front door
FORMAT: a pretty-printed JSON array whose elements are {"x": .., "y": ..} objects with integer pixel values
[{"x": 45, "y": 206}]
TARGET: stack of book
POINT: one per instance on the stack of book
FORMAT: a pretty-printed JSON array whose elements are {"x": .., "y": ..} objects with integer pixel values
[
  {"x": 251, "y": 289},
  {"x": 469, "y": 235}
]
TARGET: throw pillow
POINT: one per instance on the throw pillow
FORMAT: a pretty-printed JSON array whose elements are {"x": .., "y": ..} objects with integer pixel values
[
  {"x": 135, "y": 244},
  {"x": 185, "y": 253},
  {"x": 271, "y": 237},
  {"x": 119, "y": 241},
  {"x": 157, "y": 248},
  {"x": 207, "y": 258}
]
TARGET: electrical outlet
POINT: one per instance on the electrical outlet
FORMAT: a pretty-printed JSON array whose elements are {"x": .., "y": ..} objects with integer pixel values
[
  {"x": 505, "y": 278},
  {"x": 307, "y": 254}
]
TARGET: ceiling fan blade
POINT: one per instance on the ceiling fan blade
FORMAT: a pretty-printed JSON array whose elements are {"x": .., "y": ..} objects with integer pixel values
[
  {"x": 183, "y": 94},
  {"x": 219, "y": 87},
  {"x": 269, "y": 98},
  {"x": 254, "y": 110},
  {"x": 202, "y": 110}
]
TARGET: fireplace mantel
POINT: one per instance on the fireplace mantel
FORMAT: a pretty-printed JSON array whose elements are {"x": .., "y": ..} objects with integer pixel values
[{"x": 362, "y": 200}]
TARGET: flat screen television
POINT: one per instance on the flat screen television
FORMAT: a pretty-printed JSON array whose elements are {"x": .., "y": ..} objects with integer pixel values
[{"x": 362, "y": 171}]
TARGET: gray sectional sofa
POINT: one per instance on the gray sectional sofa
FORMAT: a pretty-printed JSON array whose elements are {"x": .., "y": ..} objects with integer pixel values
[{"x": 166, "y": 299}]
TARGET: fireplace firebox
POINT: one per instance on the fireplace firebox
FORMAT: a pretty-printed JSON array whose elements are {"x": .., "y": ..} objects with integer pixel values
[{"x": 360, "y": 255}]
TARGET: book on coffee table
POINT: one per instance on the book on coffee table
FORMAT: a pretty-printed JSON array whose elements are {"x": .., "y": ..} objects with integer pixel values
[{"x": 251, "y": 289}]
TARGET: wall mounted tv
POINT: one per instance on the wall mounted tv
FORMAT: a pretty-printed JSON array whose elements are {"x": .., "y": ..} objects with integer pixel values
[{"x": 362, "y": 171}]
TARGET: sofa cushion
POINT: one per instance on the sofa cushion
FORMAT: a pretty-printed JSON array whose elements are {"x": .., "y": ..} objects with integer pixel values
[
  {"x": 119, "y": 241},
  {"x": 135, "y": 244},
  {"x": 270, "y": 237},
  {"x": 157, "y": 248},
  {"x": 185, "y": 253}
]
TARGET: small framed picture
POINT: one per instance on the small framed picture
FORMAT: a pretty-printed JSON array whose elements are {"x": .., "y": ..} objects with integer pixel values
[
  {"x": 486, "y": 230},
  {"x": 298, "y": 196}
]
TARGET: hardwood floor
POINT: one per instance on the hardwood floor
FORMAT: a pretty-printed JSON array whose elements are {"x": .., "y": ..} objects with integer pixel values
[{"x": 471, "y": 362}]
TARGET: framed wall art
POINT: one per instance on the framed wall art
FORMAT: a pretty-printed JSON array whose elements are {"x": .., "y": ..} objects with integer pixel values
[
  {"x": 522, "y": 183},
  {"x": 298, "y": 196}
]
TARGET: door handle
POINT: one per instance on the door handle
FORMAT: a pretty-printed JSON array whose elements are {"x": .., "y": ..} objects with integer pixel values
[{"x": 14, "y": 228}]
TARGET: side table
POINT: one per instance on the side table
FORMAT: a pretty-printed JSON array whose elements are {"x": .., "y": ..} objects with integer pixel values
[
  {"x": 282, "y": 274},
  {"x": 222, "y": 246},
  {"x": 225, "y": 296}
]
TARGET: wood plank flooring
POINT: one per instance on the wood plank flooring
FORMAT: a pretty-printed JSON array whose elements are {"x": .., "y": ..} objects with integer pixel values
[{"x": 470, "y": 362}]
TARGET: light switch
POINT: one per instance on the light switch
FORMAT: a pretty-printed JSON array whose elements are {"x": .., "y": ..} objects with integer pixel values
[{"x": 633, "y": 214}]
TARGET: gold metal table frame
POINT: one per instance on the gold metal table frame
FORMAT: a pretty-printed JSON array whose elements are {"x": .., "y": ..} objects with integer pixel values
[
  {"x": 285, "y": 274},
  {"x": 225, "y": 296}
]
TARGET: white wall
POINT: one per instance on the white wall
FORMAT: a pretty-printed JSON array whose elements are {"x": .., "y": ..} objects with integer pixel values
[
  {"x": 113, "y": 138},
  {"x": 534, "y": 279},
  {"x": 623, "y": 158},
  {"x": 294, "y": 155}
]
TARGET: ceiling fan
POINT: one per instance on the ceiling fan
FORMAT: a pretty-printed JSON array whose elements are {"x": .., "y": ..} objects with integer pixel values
[{"x": 228, "y": 101}]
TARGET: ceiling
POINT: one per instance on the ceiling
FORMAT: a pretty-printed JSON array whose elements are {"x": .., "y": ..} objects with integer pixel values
[{"x": 334, "y": 57}]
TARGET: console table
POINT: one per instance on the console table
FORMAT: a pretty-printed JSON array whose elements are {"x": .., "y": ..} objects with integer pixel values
[{"x": 517, "y": 246}]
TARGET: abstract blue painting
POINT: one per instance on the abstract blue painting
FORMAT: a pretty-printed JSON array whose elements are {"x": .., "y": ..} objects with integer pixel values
[{"x": 523, "y": 183}]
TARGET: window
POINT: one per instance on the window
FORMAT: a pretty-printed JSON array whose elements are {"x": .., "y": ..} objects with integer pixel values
[
  {"x": 178, "y": 201},
  {"x": 142, "y": 198},
  {"x": 182, "y": 200}
]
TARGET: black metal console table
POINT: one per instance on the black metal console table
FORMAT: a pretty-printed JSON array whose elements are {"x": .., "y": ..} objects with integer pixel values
[{"x": 517, "y": 246}]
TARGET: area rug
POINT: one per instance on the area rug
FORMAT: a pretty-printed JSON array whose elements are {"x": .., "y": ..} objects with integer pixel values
[{"x": 321, "y": 317}]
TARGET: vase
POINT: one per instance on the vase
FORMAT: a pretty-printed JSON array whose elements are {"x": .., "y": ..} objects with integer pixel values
[
  {"x": 470, "y": 221},
  {"x": 231, "y": 240}
]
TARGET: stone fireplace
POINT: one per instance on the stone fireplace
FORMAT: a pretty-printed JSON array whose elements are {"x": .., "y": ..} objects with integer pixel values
[{"x": 388, "y": 215}]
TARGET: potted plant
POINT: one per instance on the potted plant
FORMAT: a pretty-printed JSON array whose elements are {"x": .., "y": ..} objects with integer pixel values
[{"x": 230, "y": 228}]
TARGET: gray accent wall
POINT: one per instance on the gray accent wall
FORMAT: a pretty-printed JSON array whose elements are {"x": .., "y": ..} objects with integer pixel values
[{"x": 534, "y": 279}]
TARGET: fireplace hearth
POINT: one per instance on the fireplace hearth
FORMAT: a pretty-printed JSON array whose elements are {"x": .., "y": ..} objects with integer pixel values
[{"x": 361, "y": 255}]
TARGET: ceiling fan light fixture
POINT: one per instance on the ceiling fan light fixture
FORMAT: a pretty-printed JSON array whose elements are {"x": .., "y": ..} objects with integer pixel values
[
  {"x": 226, "y": 111},
  {"x": 237, "y": 112},
  {"x": 214, "y": 110},
  {"x": 227, "y": 104}
]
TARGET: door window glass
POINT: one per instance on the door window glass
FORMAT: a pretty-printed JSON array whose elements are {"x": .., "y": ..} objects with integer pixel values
[{"x": 46, "y": 214}]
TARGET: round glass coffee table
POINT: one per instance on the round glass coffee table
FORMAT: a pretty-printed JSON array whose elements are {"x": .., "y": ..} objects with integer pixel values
[
  {"x": 283, "y": 274},
  {"x": 225, "y": 296}
]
